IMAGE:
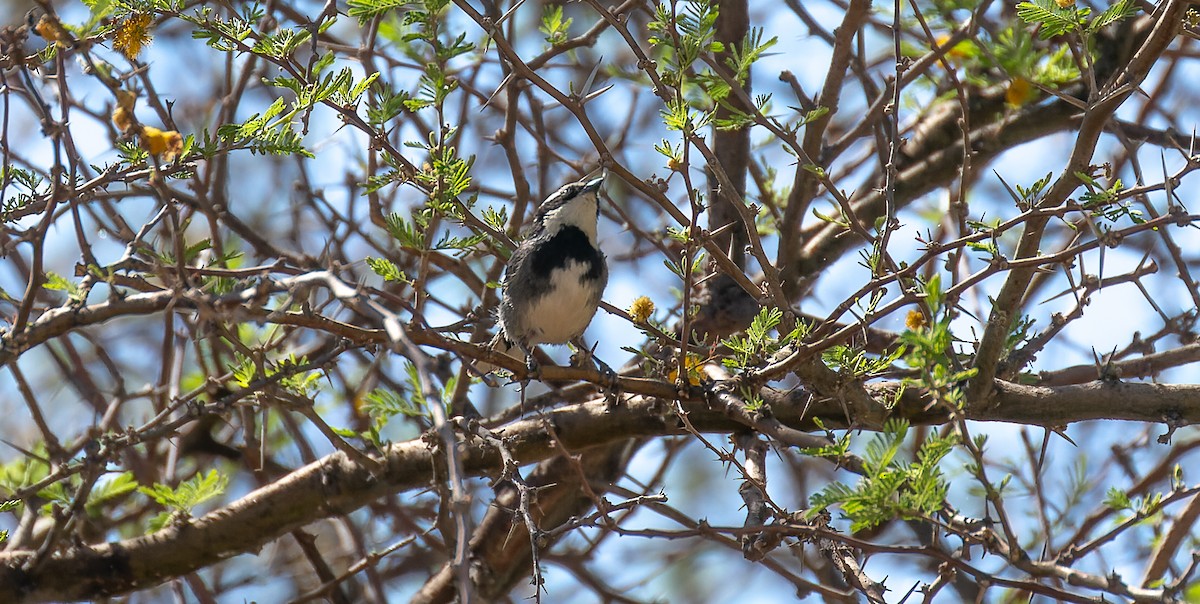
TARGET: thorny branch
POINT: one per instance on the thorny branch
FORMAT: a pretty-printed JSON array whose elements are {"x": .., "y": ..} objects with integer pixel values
[{"x": 166, "y": 316}]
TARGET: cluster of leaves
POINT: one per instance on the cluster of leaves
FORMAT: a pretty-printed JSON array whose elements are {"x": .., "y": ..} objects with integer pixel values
[
  {"x": 341, "y": 87},
  {"x": 1057, "y": 17},
  {"x": 101, "y": 494},
  {"x": 412, "y": 233},
  {"x": 388, "y": 270},
  {"x": 182, "y": 499},
  {"x": 231, "y": 257},
  {"x": 1105, "y": 202},
  {"x": 1012, "y": 52},
  {"x": 271, "y": 132},
  {"x": 368, "y": 10},
  {"x": 59, "y": 283},
  {"x": 30, "y": 186},
  {"x": 382, "y": 405},
  {"x": 889, "y": 488},
  {"x": 1025, "y": 198},
  {"x": 696, "y": 265},
  {"x": 25, "y": 471},
  {"x": 855, "y": 363},
  {"x": 741, "y": 59},
  {"x": 683, "y": 38},
  {"x": 386, "y": 104},
  {"x": 274, "y": 131},
  {"x": 757, "y": 344},
  {"x": 291, "y": 375},
  {"x": 1025, "y": 63},
  {"x": 444, "y": 175},
  {"x": 554, "y": 25},
  {"x": 930, "y": 351},
  {"x": 225, "y": 35}
]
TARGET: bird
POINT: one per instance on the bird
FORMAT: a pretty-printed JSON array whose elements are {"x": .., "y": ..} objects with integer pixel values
[{"x": 554, "y": 280}]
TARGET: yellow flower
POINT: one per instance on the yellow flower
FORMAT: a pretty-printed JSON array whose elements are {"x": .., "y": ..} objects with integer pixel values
[
  {"x": 1064, "y": 3},
  {"x": 693, "y": 363},
  {"x": 49, "y": 28},
  {"x": 122, "y": 115},
  {"x": 132, "y": 34},
  {"x": 915, "y": 320},
  {"x": 641, "y": 309},
  {"x": 168, "y": 143},
  {"x": 959, "y": 53},
  {"x": 1019, "y": 92}
]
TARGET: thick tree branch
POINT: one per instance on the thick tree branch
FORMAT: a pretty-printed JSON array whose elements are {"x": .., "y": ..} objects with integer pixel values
[
  {"x": 500, "y": 547},
  {"x": 731, "y": 146},
  {"x": 335, "y": 485}
]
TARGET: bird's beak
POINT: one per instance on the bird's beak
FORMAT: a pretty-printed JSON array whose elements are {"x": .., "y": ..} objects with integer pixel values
[{"x": 593, "y": 185}]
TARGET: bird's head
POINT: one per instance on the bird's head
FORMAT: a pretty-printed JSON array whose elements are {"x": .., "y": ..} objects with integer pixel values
[{"x": 575, "y": 204}]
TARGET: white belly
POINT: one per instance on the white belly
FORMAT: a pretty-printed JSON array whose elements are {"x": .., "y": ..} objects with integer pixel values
[{"x": 566, "y": 312}]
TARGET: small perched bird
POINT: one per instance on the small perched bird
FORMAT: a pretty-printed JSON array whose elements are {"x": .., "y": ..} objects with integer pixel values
[{"x": 554, "y": 280}]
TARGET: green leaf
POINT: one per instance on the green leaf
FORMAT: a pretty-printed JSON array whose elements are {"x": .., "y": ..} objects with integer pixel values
[
  {"x": 419, "y": 402},
  {"x": 382, "y": 405},
  {"x": 386, "y": 105},
  {"x": 352, "y": 96},
  {"x": 405, "y": 232},
  {"x": 108, "y": 490},
  {"x": 192, "y": 251},
  {"x": 160, "y": 520},
  {"x": 1053, "y": 19},
  {"x": 1118, "y": 11},
  {"x": 301, "y": 383},
  {"x": 673, "y": 153},
  {"x": 56, "y": 282},
  {"x": 189, "y": 493},
  {"x": 280, "y": 44},
  {"x": 497, "y": 218},
  {"x": 933, "y": 293},
  {"x": 24, "y": 471},
  {"x": 386, "y": 269},
  {"x": 679, "y": 115},
  {"x": 1116, "y": 499},
  {"x": 553, "y": 25},
  {"x": 765, "y": 321},
  {"x": 814, "y": 115},
  {"x": 365, "y": 10},
  {"x": 748, "y": 52}
]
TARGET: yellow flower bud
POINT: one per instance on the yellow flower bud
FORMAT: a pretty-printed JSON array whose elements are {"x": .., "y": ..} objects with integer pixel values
[
  {"x": 915, "y": 320},
  {"x": 168, "y": 143},
  {"x": 1020, "y": 91}
]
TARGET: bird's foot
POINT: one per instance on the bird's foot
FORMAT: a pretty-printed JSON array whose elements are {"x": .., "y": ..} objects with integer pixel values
[
  {"x": 533, "y": 371},
  {"x": 584, "y": 354},
  {"x": 612, "y": 389}
]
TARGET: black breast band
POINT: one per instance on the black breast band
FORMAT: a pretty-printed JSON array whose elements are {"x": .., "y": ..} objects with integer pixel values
[{"x": 569, "y": 243}]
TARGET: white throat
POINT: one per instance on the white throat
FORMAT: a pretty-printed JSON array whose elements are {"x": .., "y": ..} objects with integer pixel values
[{"x": 579, "y": 212}]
